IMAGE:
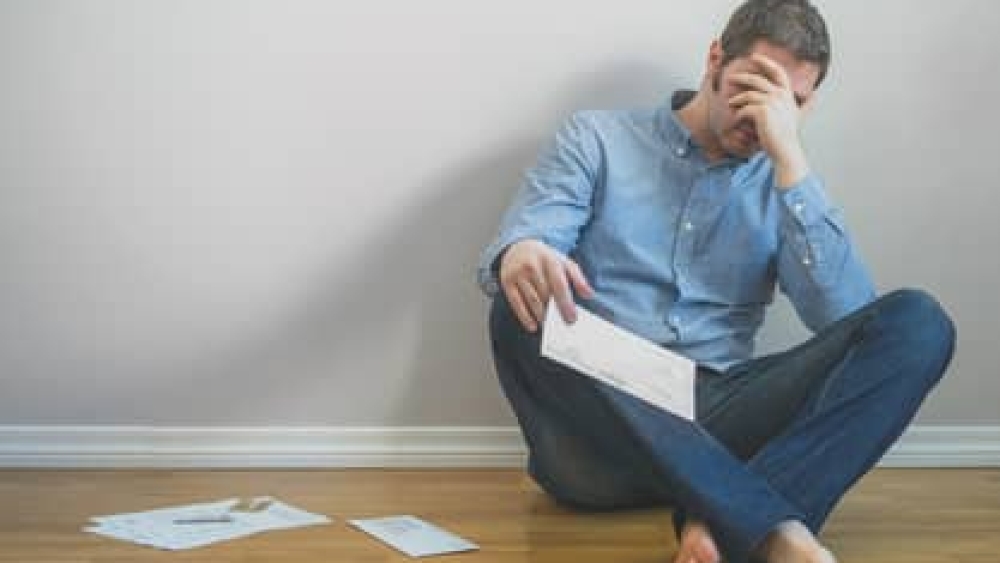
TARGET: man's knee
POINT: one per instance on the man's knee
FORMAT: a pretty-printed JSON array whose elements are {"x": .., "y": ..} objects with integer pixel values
[
  {"x": 506, "y": 332},
  {"x": 923, "y": 316},
  {"x": 917, "y": 318}
]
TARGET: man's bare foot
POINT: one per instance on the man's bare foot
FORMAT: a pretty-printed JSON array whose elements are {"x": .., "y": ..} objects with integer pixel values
[
  {"x": 697, "y": 545},
  {"x": 792, "y": 542}
]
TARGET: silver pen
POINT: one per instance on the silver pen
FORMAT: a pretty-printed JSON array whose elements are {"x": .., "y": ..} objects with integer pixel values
[{"x": 205, "y": 519}]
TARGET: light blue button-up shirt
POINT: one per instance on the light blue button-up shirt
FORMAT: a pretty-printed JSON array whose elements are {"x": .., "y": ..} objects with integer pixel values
[{"x": 680, "y": 251}]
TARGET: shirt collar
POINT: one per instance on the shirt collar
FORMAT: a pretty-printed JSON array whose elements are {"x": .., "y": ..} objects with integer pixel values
[
  {"x": 676, "y": 134},
  {"x": 670, "y": 128}
]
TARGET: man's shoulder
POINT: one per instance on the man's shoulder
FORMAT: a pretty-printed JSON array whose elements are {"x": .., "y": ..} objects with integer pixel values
[
  {"x": 612, "y": 127},
  {"x": 605, "y": 118}
]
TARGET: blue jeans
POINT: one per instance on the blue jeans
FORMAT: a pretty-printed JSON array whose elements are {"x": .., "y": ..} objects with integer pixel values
[{"x": 777, "y": 438}]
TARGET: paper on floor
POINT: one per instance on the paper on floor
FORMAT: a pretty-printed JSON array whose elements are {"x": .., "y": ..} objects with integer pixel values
[
  {"x": 164, "y": 528},
  {"x": 413, "y": 536},
  {"x": 621, "y": 359}
]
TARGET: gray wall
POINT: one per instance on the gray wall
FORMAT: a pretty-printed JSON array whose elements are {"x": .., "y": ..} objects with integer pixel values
[{"x": 249, "y": 212}]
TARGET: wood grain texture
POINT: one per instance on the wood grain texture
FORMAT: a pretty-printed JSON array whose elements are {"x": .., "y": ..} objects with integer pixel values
[{"x": 893, "y": 516}]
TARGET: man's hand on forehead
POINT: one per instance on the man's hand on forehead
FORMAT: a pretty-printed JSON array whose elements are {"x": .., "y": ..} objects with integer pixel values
[
  {"x": 767, "y": 76},
  {"x": 769, "y": 103},
  {"x": 771, "y": 69}
]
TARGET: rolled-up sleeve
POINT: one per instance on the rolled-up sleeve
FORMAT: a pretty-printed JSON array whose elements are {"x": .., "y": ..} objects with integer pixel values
[
  {"x": 819, "y": 268},
  {"x": 555, "y": 198}
]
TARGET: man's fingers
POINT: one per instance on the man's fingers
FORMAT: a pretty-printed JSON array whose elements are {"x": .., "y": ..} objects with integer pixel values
[
  {"x": 533, "y": 298},
  {"x": 560, "y": 289},
  {"x": 539, "y": 281},
  {"x": 754, "y": 82},
  {"x": 578, "y": 280},
  {"x": 532, "y": 274},
  {"x": 521, "y": 311},
  {"x": 748, "y": 97},
  {"x": 774, "y": 72}
]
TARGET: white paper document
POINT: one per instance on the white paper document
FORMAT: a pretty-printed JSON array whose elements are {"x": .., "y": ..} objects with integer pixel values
[
  {"x": 413, "y": 536},
  {"x": 196, "y": 525},
  {"x": 621, "y": 359}
]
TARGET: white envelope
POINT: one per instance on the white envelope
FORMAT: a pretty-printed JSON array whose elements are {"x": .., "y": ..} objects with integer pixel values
[
  {"x": 610, "y": 354},
  {"x": 413, "y": 536}
]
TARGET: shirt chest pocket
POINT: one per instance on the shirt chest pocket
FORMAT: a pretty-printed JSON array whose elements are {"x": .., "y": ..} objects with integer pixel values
[{"x": 733, "y": 279}]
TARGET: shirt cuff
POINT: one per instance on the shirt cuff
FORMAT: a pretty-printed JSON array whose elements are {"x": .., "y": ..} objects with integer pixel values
[
  {"x": 486, "y": 275},
  {"x": 806, "y": 201}
]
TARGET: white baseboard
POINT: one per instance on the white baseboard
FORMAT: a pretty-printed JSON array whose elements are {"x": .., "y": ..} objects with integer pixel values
[
  {"x": 265, "y": 447},
  {"x": 946, "y": 446},
  {"x": 416, "y": 447}
]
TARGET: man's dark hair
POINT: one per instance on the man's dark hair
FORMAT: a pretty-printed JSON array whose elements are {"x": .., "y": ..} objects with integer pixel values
[{"x": 795, "y": 25}]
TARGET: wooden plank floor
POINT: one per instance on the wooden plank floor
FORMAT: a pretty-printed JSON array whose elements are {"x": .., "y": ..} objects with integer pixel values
[{"x": 893, "y": 516}]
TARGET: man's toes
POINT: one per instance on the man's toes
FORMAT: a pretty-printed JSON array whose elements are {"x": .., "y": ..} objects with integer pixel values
[
  {"x": 684, "y": 552},
  {"x": 697, "y": 547},
  {"x": 705, "y": 552},
  {"x": 702, "y": 547}
]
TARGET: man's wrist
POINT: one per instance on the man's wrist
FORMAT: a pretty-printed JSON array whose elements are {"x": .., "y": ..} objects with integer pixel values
[{"x": 790, "y": 169}]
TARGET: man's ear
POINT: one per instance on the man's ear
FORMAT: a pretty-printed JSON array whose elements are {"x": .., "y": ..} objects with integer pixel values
[
  {"x": 713, "y": 66},
  {"x": 715, "y": 56}
]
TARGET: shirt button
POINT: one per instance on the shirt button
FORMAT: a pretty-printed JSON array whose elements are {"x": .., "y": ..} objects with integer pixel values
[
  {"x": 799, "y": 207},
  {"x": 688, "y": 226},
  {"x": 806, "y": 261},
  {"x": 681, "y": 151}
]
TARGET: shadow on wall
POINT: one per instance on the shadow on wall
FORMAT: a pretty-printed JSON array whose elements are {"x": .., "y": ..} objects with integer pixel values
[
  {"x": 401, "y": 273},
  {"x": 482, "y": 192}
]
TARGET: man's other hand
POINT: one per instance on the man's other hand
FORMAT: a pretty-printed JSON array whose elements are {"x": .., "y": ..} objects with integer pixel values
[{"x": 531, "y": 272}]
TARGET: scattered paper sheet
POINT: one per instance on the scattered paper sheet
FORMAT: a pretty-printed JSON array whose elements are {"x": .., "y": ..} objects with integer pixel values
[
  {"x": 196, "y": 525},
  {"x": 621, "y": 359},
  {"x": 413, "y": 536}
]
